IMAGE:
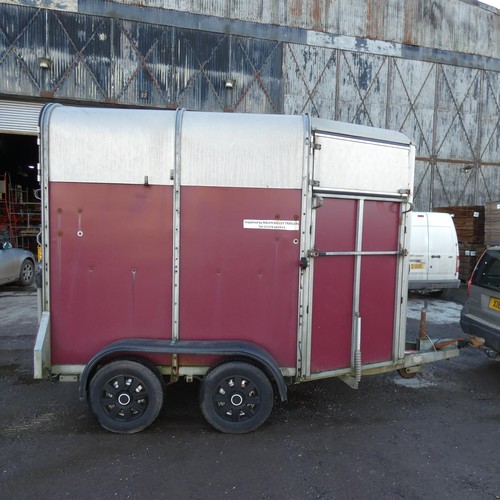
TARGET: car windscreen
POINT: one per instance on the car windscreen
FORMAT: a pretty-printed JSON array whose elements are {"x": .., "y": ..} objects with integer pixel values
[{"x": 488, "y": 270}]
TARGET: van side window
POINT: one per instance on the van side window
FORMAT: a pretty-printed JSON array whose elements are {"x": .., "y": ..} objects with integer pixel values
[{"x": 488, "y": 271}]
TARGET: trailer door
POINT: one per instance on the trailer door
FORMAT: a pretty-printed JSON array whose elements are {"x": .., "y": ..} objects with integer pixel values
[
  {"x": 355, "y": 273},
  {"x": 358, "y": 266}
]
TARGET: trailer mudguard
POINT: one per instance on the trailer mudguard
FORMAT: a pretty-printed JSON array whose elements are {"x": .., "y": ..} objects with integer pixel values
[{"x": 201, "y": 347}]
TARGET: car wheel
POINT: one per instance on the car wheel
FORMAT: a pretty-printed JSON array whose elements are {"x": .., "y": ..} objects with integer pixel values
[
  {"x": 126, "y": 396},
  {"x": 27, "y": 273},
  {"x": 236, "y": 397}
]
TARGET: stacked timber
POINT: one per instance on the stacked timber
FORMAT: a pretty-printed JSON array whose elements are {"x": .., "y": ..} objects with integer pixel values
[
  {"x": 469, "y": 255},
  {"x": 469, "y": 223},
  {"x": 492, "y": 223}
]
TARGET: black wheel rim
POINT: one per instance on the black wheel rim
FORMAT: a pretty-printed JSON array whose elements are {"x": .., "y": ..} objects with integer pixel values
[
  {"x": 124, "y": 398},
  {"x": 236, "y": 399}
]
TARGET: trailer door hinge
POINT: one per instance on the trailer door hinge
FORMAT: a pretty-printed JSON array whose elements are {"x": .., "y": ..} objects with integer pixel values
[
  {"x": 317, "y": 146},
  {"x": 313, "y": 253}
]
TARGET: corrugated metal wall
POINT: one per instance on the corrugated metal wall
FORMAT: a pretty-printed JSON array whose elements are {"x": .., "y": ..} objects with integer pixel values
[
  {"x": 101, "y": 59},
  {"x": 448, "y": 103},
  {"x": 451, "y": 113},
  {"x": 442, "y": 24}
]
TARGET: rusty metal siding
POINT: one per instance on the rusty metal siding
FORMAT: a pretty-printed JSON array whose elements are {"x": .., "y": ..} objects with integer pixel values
[
  {"x": 310, "y": 76},
  {"x": 22, "y": 41},
  {"x": 79, "y": 48},
  {"x": 447, "y": 102},
  {"x": 458, "y": 25},
  {"x": 100, "y": 59},
  {"x": 451, "y": 113}
]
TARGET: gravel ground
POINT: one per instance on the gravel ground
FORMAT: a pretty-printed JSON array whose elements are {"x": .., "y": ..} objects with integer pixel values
[{"x": 434, "y": 436}]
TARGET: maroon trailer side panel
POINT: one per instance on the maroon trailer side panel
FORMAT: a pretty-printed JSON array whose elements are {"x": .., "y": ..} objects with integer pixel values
[
  {"x": 110, "y": 280},
  {"x": 237, "y": 282}
]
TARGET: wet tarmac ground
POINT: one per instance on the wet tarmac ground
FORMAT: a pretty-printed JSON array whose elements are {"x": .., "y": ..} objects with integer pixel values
[{"x": 435, "y": 436}]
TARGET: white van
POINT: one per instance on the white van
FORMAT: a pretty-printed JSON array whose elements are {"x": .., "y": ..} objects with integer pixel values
[{"x": 434, "y": 253}]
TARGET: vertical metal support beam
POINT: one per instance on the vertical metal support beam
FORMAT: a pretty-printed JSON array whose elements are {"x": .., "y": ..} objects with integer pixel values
[
  {"x": 434, "y": 138},
  {"x": 356, "y": 316},
  {"x": 177, "y": 228},
  {"x": 113, "y": 60},
  {"x": 338, "y": 69},
  {"x": 306, "y": 276},
  {"x": 477, "y": 153},
  {"x": 389, "y": 93},
  {"x": 45, "y": 80}
]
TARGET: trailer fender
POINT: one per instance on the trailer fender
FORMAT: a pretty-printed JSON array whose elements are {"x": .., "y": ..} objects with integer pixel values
[{"x": 249, "y": 350}]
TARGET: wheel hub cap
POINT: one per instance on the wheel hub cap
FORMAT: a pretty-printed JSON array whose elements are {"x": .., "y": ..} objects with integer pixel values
[
  {"x": 236, "y": 399},
  {"x": 124, "y": 399}
]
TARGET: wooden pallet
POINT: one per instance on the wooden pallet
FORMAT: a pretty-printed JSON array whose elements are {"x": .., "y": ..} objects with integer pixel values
[
  {"x": 469, "y": 222},
  {"x": 469, "y": 254}
]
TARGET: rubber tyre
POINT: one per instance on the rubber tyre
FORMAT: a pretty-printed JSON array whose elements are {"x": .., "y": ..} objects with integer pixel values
[
  {"x": 27, "y": 273},
  {"x": 404, "y": 373},
  {"x": 126, "y": 396},
  {"x": 236, "y": 397}
]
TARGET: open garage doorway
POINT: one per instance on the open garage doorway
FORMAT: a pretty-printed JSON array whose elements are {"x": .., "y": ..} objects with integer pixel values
[{"x": 20, "y": 212}]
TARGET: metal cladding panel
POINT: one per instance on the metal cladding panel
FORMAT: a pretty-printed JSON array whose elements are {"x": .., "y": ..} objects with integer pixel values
[
  {"x": 359, "y": 131},
  {"x": 446, "y": 24},
  {"x": 82, "y": 57},
  {"x": 456, "y": 117},
  {"x": 222, "y": 149},
  {"x": 143, "y": 147},
  {"x": 21, "y": 43},
  {"x": 353, "y": 163},
  {"x": 110, "y": 266},
  {"x": 240, "y": 280},
  {"x": 411, "y": 101},
  {"x": 19, "y": 117}
]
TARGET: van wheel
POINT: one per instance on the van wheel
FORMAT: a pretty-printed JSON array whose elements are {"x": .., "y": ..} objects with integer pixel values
[
  {"x": 126, "y": 396},
  {"x": 236, "y": 397}
]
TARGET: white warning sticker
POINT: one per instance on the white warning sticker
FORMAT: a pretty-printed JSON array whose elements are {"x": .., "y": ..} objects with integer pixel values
[{"x": 280, "y": 225}]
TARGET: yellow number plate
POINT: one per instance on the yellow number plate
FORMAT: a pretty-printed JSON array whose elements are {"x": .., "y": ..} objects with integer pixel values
[
  {"x": 417, "y": 265},
  {"x": 495, "y": 303}
]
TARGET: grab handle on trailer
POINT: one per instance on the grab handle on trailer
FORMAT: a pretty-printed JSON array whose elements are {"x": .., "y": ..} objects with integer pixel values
[{"x": 410, "y": 209}]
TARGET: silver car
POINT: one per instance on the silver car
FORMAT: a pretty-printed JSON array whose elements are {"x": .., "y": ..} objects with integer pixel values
[
  {"x": 481, "y": 313},
  {"x": 16, "y": 265}
]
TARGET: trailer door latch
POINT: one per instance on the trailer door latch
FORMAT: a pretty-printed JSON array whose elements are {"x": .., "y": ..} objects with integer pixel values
[{"x": 303, "y": 263}]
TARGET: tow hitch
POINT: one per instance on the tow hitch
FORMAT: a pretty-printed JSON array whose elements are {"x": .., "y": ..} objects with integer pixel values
[{"x": 426, "y": 350}]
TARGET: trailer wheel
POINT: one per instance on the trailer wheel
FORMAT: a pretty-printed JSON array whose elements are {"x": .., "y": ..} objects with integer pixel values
[
  {"x": 236, "y": 397},
  {"x": 403, "y": 372},
  {"x": 126, "y": 396}
]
